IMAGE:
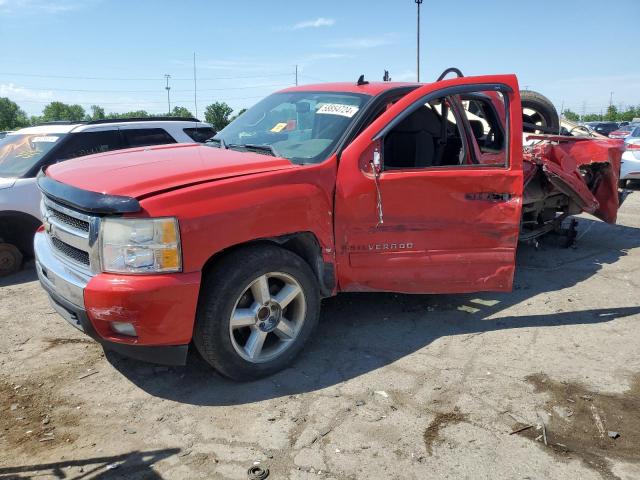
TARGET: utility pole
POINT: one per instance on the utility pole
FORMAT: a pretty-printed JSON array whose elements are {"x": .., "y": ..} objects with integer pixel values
[
  {"x": 195, "y": 85},
  {"x": 167, "y": 88},
  {"x": 296, "y": 75},
  {"x": 418, "y": 3},
  {"x": 610, "y": 99},
  {"x": 584, "y": 109}
]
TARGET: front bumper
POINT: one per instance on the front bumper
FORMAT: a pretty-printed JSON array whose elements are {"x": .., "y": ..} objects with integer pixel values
[{"x": 162, "y": 308}]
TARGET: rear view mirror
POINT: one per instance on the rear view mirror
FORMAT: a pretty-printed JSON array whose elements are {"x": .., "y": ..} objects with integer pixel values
[{"x": 303, "y": 107}]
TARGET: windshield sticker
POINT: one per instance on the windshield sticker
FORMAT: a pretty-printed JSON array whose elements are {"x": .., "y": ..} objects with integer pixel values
[
  {"x": 46, "y": 139},
  {"x": 338, "y": 109},
  {"x": 279, "y": 127}
]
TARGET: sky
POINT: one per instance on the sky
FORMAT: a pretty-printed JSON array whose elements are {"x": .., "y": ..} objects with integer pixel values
[{"x": 116, "y": 53}]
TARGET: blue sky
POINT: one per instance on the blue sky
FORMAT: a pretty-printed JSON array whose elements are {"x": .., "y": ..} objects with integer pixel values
[{"x": 115, "y": 53}]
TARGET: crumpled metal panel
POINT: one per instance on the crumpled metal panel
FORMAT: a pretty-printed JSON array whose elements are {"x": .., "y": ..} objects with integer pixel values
[{"x": 585, "y": 169}]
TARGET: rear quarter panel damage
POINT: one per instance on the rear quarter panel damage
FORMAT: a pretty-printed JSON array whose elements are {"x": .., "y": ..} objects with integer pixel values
[{"x": 585, "y": 169}]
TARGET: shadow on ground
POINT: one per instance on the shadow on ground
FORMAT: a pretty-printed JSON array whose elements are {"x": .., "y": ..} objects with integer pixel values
[
  {"x": 359, "y": 333},
  {"x": 27, "y": 274},
  {"x": 131, "y": 466}
]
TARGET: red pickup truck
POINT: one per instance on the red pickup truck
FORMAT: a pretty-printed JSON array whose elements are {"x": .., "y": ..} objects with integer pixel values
[{"x": 320, "y": 189}]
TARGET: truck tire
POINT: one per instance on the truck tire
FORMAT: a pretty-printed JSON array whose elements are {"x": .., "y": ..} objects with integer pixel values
[
  {"x": 539, "y": 110},
  {"x": 10, "y": 259},
  {"x": 258, "y": 307}
]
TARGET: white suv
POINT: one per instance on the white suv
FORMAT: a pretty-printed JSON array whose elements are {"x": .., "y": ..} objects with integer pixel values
[{"x": 24, "y": 152}]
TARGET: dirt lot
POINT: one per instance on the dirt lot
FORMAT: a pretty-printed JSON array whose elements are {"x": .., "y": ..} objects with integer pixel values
[{"x": 393, "y": 387}]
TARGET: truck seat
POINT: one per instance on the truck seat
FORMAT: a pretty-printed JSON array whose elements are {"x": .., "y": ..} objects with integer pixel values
[{"x": 412, "y": 143}]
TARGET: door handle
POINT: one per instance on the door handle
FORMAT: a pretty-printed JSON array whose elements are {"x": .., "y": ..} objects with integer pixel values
[{"x": 489, "y": 196}]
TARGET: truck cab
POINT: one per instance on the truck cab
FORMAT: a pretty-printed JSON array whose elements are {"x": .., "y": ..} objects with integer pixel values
[{"x": 229, "y": 247}]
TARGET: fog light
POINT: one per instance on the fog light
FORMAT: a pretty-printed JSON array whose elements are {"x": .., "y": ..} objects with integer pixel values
[{"x": 124, "y": 328}]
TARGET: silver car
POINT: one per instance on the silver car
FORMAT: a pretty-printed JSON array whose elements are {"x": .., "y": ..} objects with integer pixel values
[
  {"x": 24, "y": 152},
  {"x": 630, "y": 168}
]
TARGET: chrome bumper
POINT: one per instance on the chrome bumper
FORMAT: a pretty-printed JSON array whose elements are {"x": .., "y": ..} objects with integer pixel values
[{"x": 58, "y": 279}]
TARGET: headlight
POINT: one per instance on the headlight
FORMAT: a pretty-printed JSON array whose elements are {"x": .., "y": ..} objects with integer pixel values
[{"x": 145, "y": 245}]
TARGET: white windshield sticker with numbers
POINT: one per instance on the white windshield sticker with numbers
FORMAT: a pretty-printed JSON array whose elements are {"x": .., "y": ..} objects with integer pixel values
[
  {"x": 338, "y": 109},
  {"x": 45, "y": 139}
]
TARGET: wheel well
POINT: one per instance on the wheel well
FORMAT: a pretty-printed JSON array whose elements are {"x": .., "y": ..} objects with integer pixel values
[
  {"x": 304, "y": 244},
  {"x": 18, "y": 228}
]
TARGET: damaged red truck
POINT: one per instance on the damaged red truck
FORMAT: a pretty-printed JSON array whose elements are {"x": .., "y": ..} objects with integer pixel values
[{"x": 343, "y": 187}]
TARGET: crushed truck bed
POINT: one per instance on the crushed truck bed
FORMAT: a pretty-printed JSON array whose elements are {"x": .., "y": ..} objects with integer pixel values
[{"x": 566, "y": 175}]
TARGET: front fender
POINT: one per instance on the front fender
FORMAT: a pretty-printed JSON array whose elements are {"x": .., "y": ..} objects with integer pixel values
[{"x": 220, "y": 214}]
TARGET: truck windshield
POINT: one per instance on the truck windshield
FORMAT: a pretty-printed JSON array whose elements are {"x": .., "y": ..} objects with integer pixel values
[
  {"x": 19, "y": 153},
  {"x": 303, "y": 127}
]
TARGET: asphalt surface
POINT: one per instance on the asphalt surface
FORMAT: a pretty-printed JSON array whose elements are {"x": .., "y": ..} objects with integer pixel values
[{"x": 392, "y": 387}]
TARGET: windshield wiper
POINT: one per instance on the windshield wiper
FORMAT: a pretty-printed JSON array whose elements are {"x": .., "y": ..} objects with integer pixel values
[
  {"x": 220, "y": 141},
  {"x": 258, "y": 148}
]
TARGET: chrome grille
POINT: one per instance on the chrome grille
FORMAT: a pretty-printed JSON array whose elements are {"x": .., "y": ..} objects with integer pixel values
[
  {"x": 71, "y": 252},
  {"x": 69, "y": 220},
  {"x": 72, "y": 235}
]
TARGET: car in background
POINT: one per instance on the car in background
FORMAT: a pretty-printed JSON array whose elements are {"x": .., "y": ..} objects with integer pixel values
[
  {"x": 630, "y": 164},
  {"x": 24, "y": 152},
  {"x": 624, "y": 131},
  {"x": 603, "y": 128}
]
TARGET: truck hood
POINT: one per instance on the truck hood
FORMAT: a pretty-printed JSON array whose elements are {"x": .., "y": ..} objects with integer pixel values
[{"x": 140, "y": 172}]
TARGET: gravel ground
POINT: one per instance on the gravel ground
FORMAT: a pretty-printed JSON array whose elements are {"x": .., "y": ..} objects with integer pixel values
[{"x": 393, "y": 386}]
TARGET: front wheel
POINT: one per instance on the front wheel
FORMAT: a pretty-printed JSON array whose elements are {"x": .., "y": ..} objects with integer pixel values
[
  {"x": 10, "y": 259},
  {"x": 258, "y": 307}
]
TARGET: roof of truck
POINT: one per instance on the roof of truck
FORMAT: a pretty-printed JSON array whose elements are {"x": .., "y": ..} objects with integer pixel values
[{"x": 372, "y": 88}]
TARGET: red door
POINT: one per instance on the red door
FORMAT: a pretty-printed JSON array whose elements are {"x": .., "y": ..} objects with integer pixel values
[{"x": 442, "y": 219}]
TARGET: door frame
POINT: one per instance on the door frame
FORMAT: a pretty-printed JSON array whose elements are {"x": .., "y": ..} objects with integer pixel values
[{"x": 355, "y": 176}]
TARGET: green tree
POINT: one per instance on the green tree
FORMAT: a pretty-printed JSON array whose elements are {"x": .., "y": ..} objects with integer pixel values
[
  {"x": 569, "y": 115},
  {"x": 217, "y": 114},
  {"x": 11, "y": 116},
  {"x": 56, "y": 111},
  {"x": 181, "y": 112},
  {"x": 592, "y": 117},
  {"x": 242, "y": 110},
  {"x": 133, "y": 114},
  {"x": 612, "y": 113},
  {"x": 97, "y": 113},
  {"x": 629, "y": 114}
]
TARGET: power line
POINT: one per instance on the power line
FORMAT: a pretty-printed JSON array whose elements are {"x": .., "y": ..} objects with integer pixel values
[
  {"x": 186, "y": 100},
  {"x": 155, "y": 79},
  {"x": 82, "y": 90}
]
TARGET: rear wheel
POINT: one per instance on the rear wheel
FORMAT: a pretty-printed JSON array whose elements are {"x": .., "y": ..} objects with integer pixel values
[
  {"x": 257, "y": 309},
  {"x": 10, "y": 259},
  {"x": 538, "y": 111}
]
